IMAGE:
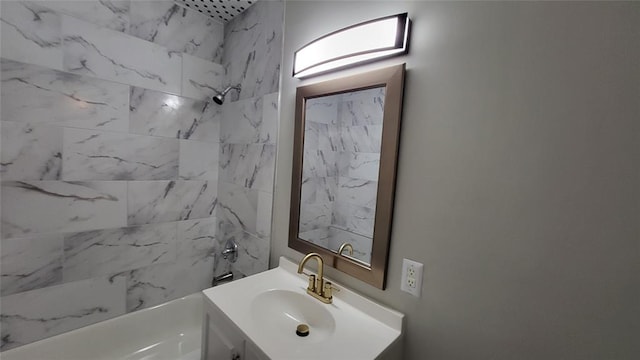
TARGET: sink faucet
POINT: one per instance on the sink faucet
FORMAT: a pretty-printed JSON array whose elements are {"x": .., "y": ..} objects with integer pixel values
[
  {"x": 346, "y": 246},
  {"x": 319, "y": 288}
]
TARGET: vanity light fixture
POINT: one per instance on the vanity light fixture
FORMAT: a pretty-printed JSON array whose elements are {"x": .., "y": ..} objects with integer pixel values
[{"x": 364, "y": 42}]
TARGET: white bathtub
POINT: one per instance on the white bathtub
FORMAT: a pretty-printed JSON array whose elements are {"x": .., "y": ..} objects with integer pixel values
[{"x": 167, "y": 331}]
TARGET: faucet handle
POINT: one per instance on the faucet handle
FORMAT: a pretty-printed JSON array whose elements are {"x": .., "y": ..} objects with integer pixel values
[
  {"x": 230, "y": 251},
  {"x": 328, "y": 290},
  {"x": 312, "y": 283}
]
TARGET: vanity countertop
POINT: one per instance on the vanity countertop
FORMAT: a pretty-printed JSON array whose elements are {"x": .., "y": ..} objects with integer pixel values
[{"x": 267, "y": 306}]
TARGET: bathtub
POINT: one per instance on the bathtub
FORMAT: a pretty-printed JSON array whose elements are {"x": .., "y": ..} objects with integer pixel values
[{"x": 168, "y": 331}]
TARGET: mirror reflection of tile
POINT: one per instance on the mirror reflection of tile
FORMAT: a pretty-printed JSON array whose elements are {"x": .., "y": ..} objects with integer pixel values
[{"x": 341, "y": 160}]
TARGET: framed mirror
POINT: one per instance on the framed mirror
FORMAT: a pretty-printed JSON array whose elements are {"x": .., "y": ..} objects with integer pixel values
[{"x": 344, "y": 170}]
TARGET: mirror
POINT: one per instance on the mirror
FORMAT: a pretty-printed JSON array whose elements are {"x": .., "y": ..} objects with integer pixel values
[
  {"x": 345, "y": 153},
  {"x": 340, "y": 165}
]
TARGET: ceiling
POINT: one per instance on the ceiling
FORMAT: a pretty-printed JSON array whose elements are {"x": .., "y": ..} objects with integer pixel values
[{"x": 220, "y": 10}]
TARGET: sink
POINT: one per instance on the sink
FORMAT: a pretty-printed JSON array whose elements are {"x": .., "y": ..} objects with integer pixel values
[
  {"x": 279, "y": 312},
  {"x": 268, "y": 307}
]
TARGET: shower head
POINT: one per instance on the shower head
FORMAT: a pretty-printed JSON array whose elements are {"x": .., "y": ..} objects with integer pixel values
[{"x": 219, "y": 97}]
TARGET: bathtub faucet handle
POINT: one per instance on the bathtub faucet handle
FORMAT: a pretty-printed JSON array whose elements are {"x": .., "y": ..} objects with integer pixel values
[{"x": 230, "y": 251}]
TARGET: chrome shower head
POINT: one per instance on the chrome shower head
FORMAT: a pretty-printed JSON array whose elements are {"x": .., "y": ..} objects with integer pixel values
[{"x": 219, "y": 97}]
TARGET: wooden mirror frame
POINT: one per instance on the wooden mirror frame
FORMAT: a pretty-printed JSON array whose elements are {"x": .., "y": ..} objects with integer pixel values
[{"x": 392, "y": 78}]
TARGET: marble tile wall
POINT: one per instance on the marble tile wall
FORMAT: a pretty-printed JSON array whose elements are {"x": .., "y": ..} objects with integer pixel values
[
  {"x": 320, "y": 237},
  {"x": 253, "y": 49},
  {"x": 360, "y": 117},
  {"x": 157, "y": 21},
  {"x": 109, "y": 161},
  {"x": 362, "y": 245},
  {"x": 248, "y": 131},
  {"x": 319, "y": 168},
  {"x": 343, "y": 134}
]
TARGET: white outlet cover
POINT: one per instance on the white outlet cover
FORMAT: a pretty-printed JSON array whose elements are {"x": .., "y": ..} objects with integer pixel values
[{"x": 411, "y": 277}]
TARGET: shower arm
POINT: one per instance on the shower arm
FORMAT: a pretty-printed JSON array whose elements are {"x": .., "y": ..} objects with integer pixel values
[
  {"x": 229, "y": 88},
  {"x": 219, "y": 97}
]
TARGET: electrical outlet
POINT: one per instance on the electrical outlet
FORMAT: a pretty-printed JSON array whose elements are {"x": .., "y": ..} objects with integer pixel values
[{"x": 411, "y": 277}]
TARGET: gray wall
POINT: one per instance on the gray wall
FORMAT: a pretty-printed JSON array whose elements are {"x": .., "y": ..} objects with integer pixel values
[{"x": 517, "y": 180}]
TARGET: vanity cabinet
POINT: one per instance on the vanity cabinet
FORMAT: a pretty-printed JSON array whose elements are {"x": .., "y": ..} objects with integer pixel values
[{"x": 222, "y": 340}]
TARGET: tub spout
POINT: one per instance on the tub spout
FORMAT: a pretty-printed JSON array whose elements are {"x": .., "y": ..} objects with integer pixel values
[{"x": 217, "y": 280}]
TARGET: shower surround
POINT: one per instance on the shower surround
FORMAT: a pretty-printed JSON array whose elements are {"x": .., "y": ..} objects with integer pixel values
[
  {"x": 253, "y": 50},
  {"x": 110, "y": 170}
]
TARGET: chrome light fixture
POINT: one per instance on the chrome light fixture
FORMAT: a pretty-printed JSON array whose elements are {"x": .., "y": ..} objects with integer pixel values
[{"x": 364, "y": 42}]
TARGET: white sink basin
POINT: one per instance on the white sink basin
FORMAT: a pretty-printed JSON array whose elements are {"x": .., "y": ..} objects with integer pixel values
[
  {"x": 267, "y": 308},
  {"x": 279, "y": 312}
]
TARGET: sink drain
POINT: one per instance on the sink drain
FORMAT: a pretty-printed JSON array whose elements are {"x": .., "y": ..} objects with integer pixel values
[{"x": 302, "y": 330}]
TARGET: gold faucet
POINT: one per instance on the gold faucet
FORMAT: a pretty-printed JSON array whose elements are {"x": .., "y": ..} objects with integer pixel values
[
  {"x": 345, "y": 246},
  {"x": 318, "y": 288}
]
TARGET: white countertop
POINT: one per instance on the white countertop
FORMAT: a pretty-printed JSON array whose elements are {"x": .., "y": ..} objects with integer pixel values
[{"x": 363, "y": 328}]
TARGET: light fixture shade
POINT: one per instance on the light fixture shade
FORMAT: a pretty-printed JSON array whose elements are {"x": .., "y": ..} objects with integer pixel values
[{"x": 364, "y": 42}]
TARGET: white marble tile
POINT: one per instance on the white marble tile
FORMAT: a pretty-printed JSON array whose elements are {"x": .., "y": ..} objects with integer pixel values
[
  {"x": 319, "y": 163},
  {"x": 111, "y": 251},
  {"x": 325, "y": 137},
  {"x": 198, "y": 160},
  {"x": 270, "y": 118},
  {"x": 108, "y": 54},
  {"x": 242, "y": 122},
  {"x": 30, "y": 152},
  {"x": 357, "y": 191},
  {"x": 253, "y": 49},
  {"x": 161, "y": 114},
  {"x": 319, "y": 237},
  {"x": 41, "y": 313},
  {"x": 323, "y": 110},
  {"x": 31, "y": 34},
  {"x": 160, "y": 283},
  {"x": 263, "y": 217},
  {"x": 253, "y": 253},
  {"x": 315, "y": 216},
  {"x": 112, "y": 14},
  {"x": 39, "y": 95},
  {"x": 367, "y": 138},
  {"x": 197, "y": 240},
  {"x": 177, "y": 28},
  {"x": 364, "y": 107},
  {"x": 238, "y": 209},
  {"x": 207, "y": 128},
  {"x": 250, "y": 121},
  {"x": 162, "y": 201},
  {"x": 30, "y": 263},
  {"x": 362, "y": 245},
  {"x": 224, "y": 229},
  {"x": 251, "y": 166},
  {"x": 374, "y": 94},
  {"x": 353, "y": 218},
  {"x": 343, "y": 162},
  {"x": 32, "y": 207},
  {"x": 98, "y": 155},
  {"x": 311, "y": 135},
  {"x": 318, "y": 190},
  {"x": 363, "y": 166},
  {"x": 201, "y": 79}
]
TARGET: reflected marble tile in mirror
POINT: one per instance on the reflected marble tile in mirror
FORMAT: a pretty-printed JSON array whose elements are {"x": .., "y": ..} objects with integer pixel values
[{"x": 340, "y": 167}]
